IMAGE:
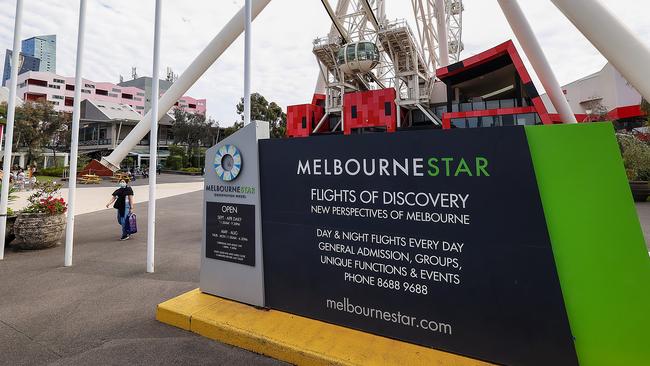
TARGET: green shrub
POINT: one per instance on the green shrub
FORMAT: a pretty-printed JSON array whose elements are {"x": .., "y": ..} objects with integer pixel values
[
  {"x": 51, "y": 172},
  {"x": 192, "y": 170},
  {"x": 174, "y": 162},
  {"x": 82, "y": 161},
  {"x": 12, "y": 193},
  {"x": 175, "y": 150},
  {"x": 643, "y": 174},
  {"x": 636, "y": 156}
]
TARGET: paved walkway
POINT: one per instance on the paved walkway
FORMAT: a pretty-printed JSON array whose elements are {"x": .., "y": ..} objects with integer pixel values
[
  {"x": 101, "y": 311},
  {"x": 91, "y": 198}
]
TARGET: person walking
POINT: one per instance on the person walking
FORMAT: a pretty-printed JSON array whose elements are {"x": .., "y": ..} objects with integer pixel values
[
  {"x": 132, "y": 171},
  {"x": 123, "y": 198},
  {"x": 20, "y": 180}
]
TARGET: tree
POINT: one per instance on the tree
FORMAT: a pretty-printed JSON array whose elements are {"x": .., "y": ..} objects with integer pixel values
[
  {"x": 37, "y": 124},
  {"x": 262, "y": 110},
  {"x": 596, "y": 111},
  {"x": 232, "y": 129},
  {"x": 3, "y": 113},
  {"x": 193, "y": 130},
  {"x": 645, "y": 108}
]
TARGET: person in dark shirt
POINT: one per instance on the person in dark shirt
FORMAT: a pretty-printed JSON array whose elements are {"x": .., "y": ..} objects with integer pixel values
[{"x": 123, "y": 199}]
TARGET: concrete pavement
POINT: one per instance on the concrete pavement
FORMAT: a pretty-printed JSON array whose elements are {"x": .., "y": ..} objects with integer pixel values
[
  {"x": 101, "y": 311},
  {"x": 91, "y": 198}
]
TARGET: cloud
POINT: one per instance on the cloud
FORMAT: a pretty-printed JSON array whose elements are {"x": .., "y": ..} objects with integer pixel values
[{"x": 120, "y": 36}]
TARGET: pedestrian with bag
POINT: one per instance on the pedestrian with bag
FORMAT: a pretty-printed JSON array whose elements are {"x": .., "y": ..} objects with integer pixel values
[{"x": 123, "y": 202}]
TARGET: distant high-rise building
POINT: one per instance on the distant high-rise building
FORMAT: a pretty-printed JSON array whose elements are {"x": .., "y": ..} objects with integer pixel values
[
  {"x": 27, "y": 63},
  {"x": 44, "y": 48},
  {"x": 38, "y": 54}
]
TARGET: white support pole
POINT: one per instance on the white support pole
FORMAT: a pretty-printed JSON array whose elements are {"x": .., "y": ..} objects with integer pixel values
[
  {"x": 247, "y": 61},
  {"x": 74, "y": 145},
  {"x": 153, "y": 141},
  {"x": 443, "y": 42},
  {"x": 201, "y": 63},
  {"x": 524, "y": 33},
  {"x": 615, "y": 40},
  {"x": 11, "y": 115}
]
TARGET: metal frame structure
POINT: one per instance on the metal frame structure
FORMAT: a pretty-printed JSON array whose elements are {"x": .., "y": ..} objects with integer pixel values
[
  {"x": 74, "y": 145},
  {"x": 9, "y": 135},
  {"x": 454, "y": 14},
  {"x": 406, "y": 63},
  {"x": 153, "y": 140}
]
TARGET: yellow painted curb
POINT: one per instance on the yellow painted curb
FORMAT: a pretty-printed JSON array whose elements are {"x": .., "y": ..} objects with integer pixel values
[
  {"x": 292, "y": 338},
  {"x": 178, "y": 311}
]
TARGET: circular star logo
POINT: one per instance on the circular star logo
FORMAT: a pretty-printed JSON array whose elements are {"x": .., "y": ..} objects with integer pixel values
[{"x": 227, "y": 163}]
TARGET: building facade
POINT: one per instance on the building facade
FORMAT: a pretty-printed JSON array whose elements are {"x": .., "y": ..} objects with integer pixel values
[
  {"x": 43, "y": 48},
  {"x": 603, "y": 95},
  {"x": 27, "y": 63},
  {"x": 188, "y": 103},
  {"x": 37, "y": 54},
  {"x": 59, "y": 91},
  {"x": 104, "y": 125}
]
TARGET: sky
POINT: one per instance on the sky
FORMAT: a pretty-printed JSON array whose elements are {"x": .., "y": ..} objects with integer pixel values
[{"x": 119, "y": 36}]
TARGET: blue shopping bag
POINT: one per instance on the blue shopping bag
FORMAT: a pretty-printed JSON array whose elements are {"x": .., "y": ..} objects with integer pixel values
[{"x": 132, "y": 227}]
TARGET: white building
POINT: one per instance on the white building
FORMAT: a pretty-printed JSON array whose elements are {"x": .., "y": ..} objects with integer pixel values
[{"x": 604, "y": 95}]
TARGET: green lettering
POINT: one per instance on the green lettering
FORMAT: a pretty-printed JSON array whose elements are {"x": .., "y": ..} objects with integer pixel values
[
  {"x": 481, "y": 166},
  {"x": 447, "y": 161},
  {"x": 462, "y": 168},
  {"x": 433, "y": 167}
]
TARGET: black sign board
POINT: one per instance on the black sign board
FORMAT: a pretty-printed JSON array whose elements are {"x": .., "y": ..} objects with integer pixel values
[
  {"x": 431, "y": 237},
  {"x": 230, "y": 232}
]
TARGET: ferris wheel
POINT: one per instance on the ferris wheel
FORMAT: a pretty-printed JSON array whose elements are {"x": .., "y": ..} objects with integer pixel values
[{"x": 364, "y": 50}]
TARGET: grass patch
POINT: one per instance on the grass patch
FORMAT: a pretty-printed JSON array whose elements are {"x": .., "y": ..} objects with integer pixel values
[{"x": 47, "y": 178}]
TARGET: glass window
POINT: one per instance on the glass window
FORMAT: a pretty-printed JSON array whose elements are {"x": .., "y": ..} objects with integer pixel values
[
  {"x": 351, "y": 50},
  {"x": 454, "y": 107},
  {"x": 487, "y": 121},
  {"x": 361, "y": 52},
  {"x": 458, "y": 122},
  {"x": 440, "y": 110},
  {"x": 341, "y": 56},
  {"x": 465, "y": 107},
  {"x": 538, "y": 120},
  {"x": 367, "y": 51},
  {"x": 525, "y": 119},
  {"x": 507, "y": 103},
  {"x": 507, "y": 120},
  {"x": 478, "y": 106},
  {"x": 472, "y": 122},
  {"x": 492, "y": 104}
]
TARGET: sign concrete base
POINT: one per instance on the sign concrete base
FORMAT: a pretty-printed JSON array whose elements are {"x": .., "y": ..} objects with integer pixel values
[{"x": 291, "y": 338}]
